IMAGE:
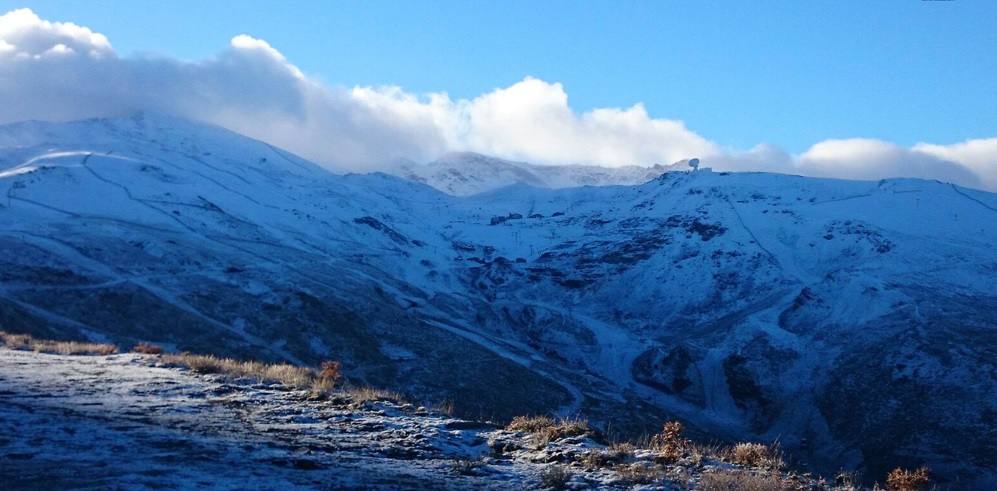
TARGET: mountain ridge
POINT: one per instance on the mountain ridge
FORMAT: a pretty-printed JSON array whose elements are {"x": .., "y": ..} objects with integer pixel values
[
  {"x": 746, "y": 304},
  {"x": 468, "y": 173}
]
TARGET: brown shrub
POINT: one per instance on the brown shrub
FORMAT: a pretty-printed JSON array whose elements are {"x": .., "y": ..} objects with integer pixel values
[
  {"x": 905, "y": 480},
  {"x": 731, "y": 480},
  {"x": 26, "y": 342},
  {"x": 669, "y": 444},
  {"x": 331, "y": 371},
  {"x": 147, "y": 349}
]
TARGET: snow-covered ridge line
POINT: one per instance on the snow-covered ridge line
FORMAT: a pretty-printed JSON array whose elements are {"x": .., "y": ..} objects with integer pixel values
[{"x": 466, "y": 173}]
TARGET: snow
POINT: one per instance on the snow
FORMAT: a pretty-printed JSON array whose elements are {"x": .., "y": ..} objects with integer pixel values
[{"x": 122, "y": 421}]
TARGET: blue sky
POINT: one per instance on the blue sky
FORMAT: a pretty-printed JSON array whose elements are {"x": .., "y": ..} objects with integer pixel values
[
  {"x": 739, "y": 73},
  {"x": 835, "y": 89}
]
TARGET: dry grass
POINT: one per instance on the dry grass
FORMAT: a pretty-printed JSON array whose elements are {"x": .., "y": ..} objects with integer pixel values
[
  {"x": 530, "y": 424},
  {"x": 905, "y": 480},
  {"x": 756, "y": 455},
  {"x": 615, "y": 454},
  {"x": 597, "y": 459},
  {"x": 26, "y": 342},
  {"x": 360, "y": 395},
  {"x": 698, "y": 453},
  {"x": 639, "y": 473},
  {"x": 545, "y": 429},
  {"x": 737, "y": 480},
  {"x": 147, "y": 349},
  {"x": 321, "y": 386},
  {"x": 623, "y": 449},
  {"x": 320, "y": 383},
  {"x": 288, "y": 375}
]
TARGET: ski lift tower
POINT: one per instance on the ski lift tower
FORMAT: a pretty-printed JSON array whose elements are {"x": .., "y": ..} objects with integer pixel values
[{"x": 694, "y": 163}]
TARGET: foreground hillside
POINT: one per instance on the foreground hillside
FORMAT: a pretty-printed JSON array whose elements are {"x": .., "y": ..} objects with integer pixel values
[
  {"x": 134, "y": 422},
  {"x": 854, "y": 322}
]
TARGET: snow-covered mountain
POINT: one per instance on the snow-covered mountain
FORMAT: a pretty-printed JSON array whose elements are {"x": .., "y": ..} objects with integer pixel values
[
  {"x": 466, "y": 173},
  {"x": 856, "y": 322}
]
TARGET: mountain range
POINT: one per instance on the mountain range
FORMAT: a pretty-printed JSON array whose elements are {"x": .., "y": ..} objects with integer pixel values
[{"x": 854, "y": 322}]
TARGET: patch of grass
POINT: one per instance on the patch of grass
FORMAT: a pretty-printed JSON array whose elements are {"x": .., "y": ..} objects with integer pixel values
[
  {"x": 615, "y": 454},
  {"x": 639, "y": 473},
  {"x": 28, "y": 343},
  {"x": 756, "y": 455},
  {"x": 320, "y": 383},
  {"x": 288, "y": 375},
  {"x": 905, "y": 480},
  {"x": 623, "y": 450},
  {"x": 530, "y": 424},
  {"x": 147, "y": 349},
  {"x": 739, "y": 480},
  {"x": 545, "y": 429},
  {"x": 360, "y": 395}
]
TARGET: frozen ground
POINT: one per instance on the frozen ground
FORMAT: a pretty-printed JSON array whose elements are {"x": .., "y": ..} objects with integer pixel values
[
  {"x": 128, "y": 422},
  {"x": 120, "y": 422}
]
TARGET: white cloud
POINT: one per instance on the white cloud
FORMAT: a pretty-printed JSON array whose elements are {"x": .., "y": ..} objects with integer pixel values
[
  {"x": 979, "y": 155},
  {"x": 62, "y": 71},
  {"x": 25, "y": 35},
  {"x": 863, "y": 158},
  {"x": 532, "y": 120}
]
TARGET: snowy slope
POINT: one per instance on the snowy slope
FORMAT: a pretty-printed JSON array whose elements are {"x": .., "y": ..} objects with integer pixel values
[
  {"x": 465, "y": 173},
  {"x": 853, "y": 321}
]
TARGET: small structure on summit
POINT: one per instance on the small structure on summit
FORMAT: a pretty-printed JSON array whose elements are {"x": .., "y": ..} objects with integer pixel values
[{"x": 694, "y": 163}]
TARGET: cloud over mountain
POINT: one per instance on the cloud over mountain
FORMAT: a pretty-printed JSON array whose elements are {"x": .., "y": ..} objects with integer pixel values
[{"x": 62, "y": 71}]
